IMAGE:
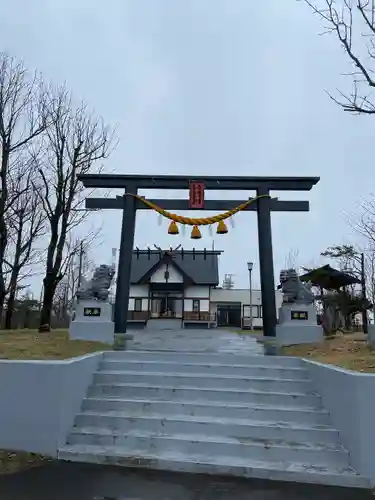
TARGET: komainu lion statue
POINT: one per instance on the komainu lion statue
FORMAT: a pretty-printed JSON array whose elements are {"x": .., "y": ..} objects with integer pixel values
[
  {"x": 99, "y": 285},
  {"x": 293, "y": 290}
]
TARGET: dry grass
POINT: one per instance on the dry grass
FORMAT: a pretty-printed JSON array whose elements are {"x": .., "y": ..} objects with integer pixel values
[
  {"x": 29, "y": 344},
  {"x": 12, "y": 462},
  {"x": 349, "y": 351}
]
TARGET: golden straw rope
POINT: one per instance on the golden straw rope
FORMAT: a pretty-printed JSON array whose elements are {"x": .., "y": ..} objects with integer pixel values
[{"x": 202, "y": 221}]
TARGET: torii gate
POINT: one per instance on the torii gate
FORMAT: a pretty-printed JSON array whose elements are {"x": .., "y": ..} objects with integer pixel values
[{"x": 129, "y": 204}]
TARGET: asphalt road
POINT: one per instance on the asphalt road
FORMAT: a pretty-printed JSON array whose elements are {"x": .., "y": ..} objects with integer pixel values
[{"x": 72, "y": 481}]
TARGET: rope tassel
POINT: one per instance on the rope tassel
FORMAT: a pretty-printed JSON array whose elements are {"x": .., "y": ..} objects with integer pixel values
[
  {"x": 221, "y": 228},
  {"x": 195, "y": 233},
  {"x": 173, "y": 228}
]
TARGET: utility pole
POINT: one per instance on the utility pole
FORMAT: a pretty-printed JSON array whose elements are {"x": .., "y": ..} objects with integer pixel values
[
  {"x": 363, "y": 285},
  {"x": 250, "y": 266},
  {"x": 41, "y": 297},
  {"x": 81, "y": 251},
  {"x": 80, "y": 264},
  {"x": 228, "y": 282}
]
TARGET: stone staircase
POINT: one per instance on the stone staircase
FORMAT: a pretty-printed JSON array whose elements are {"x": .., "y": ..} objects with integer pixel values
[{"x": 222, "y": 414}]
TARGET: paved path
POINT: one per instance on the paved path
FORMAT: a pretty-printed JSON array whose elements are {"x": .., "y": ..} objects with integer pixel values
[
  {"x": 72, "y": 481},
  {"x": 210, "y": 340}
]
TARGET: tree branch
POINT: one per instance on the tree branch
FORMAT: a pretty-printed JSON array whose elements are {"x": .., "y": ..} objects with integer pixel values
[{"x": 339, "y": 18}]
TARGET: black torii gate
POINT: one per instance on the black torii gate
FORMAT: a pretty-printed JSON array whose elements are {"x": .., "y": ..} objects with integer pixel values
[{"x": 263, "y": 206}]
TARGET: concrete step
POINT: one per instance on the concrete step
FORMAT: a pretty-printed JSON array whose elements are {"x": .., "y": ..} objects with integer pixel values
[
  {"x": 203, "y": 358},
  {"x": 217, "y": 464},
  {"x": 204, "y": 381},
  {"x": 161, "y": 324},
  {"x": 270, "y": 450},
  {"x": 135, "y": 407},
  {"x": 252, "y": 370},
  {"x": 171, "y": 393},
  {"x": 207, "y": 426}
]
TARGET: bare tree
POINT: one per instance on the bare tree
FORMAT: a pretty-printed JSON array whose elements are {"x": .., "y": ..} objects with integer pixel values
[
  {"x": 353, "y": 23},
  {"x": 363, "y": 220},
  {"x": 80, "y": 266},
  {"x": 60, "y": 304},
  {"x": 370, "y": 273},
  {"x": 22, "y": 120},
  {"x": 25, "y": 221},
  {"x": 363, "y": 223},
  {"x": 77, "y": 264},
  {"x": 291, "y": 260},
  {"x": 346, "y": 256},
  {"x": 349, "y": 259},
  {"x": 74, "y": 144}
]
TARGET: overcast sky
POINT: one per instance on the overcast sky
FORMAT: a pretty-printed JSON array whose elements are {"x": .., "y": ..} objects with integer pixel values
[{"x": 212, "y": 87}]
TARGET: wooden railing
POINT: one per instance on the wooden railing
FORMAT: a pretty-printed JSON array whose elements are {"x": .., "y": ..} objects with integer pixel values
[
  {"x": 165, "y": 315},
  {"x": 199, "y": 316},
  {"x": 138, "y": 315},
  {"x": 187, "y": 316}
]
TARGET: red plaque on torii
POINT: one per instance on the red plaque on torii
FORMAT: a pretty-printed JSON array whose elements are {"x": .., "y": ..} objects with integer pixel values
[{"x": 196, "y": 194}]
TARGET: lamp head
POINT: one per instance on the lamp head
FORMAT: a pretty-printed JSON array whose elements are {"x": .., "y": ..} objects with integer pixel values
[{"x": 250, "y": 266}]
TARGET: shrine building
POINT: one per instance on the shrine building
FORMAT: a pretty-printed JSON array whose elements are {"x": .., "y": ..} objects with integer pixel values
[{"x": 181, "y": 288}]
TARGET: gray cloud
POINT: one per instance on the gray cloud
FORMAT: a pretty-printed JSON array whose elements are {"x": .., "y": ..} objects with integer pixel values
[{"x": 215, "y": 87}]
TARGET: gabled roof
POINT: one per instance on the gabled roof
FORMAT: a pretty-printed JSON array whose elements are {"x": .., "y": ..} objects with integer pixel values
[
  {"x": 201, "y": 267},
  {"x": 329, "y": 278},
  {"x": 166, "y": 259}
]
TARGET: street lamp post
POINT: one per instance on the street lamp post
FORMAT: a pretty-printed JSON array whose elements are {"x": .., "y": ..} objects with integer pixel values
[
  {"x": 250, "y": 268},
  {"x": 363, "y": 286}
]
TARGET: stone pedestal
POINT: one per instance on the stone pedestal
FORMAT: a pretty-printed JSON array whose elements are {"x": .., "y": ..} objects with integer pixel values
[
  {"x": 371, "y": 335},
  {"x": 298, "y": 325},
  {"x": 93, "y": 321}
]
